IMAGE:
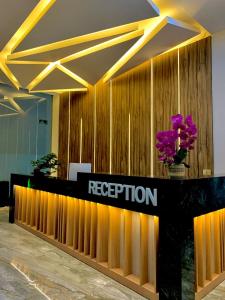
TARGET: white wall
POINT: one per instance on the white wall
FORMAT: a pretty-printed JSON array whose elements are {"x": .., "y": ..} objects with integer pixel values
[{"x": 218, "y": 87}]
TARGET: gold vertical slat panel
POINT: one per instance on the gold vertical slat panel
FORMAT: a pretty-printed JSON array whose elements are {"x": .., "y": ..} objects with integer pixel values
[
  {"x": 153, "y": 234},
  {"x": 70, "y": 221},
  {"x": 127, "y": 242},
  {"x": 136, "y": 245},
  {"x": 28, "y": 208},
  {"x": 76, "y": 224},
  {"x": 196, "y": 99},
  {"x": 64, "y": 218},
  {"x": 50, "y": 215},
  {"x": 81, "y": 226},
  {"x": 217, "y": 243},
  {"x": 24, "y": 205},
  {"x": 45, "y": 211},
  {"x": 143, "y": 249},
  {"x": 32, "y": 213},
  {"x": 87, "y": 227},
  {"x": 55, "y": 216},
  {"x": 209, "y": 255},
  {"x": 93, "y": 233},
  {"x": 114, "y": 237},
  {"x": 165, "y": 100},
  {"x": 102, "y": 233}
]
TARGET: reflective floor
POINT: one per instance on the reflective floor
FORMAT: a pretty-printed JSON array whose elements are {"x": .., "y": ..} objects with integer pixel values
[{"x": 30, "y": 268}]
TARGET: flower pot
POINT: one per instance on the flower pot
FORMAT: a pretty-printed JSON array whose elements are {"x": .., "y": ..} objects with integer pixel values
[{"x": 176, "y": 171}]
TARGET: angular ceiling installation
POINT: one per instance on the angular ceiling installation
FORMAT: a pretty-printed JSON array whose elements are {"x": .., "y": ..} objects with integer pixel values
[{"x": 59, "y": 45}]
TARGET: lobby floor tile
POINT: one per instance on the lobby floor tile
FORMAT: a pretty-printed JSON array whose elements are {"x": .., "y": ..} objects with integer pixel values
[{"x": 31, "y": 268}]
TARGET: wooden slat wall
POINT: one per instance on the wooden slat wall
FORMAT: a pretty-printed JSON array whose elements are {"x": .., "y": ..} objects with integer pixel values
[
  {"x": 140, "y": 112},
  {"x": 102, "y": 142},
  {"x": 120, "y": 130},
  {"x": 196, "y": 99},
  {"x": 81, "y": 107},
  {"x": 63, "y": 135},
  {"x": 188, "y": 91},
  {"x": 165, "y": 99}
]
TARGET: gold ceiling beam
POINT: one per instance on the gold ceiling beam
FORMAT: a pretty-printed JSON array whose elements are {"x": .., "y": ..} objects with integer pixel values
[
  {"x": 82, "y": 39},
  {"x": 150, "y": 32},
  {"x": 104, "y": 45},
  {"x": 15, "y": 105},
  {"x": 9, "y": 74},
  {"x": 59, "y": 91},
  {"x": 27, "y": 62},
  {"x": 73, "y": 75},
  {"x": 7, "y": 115},
  {"x": 42, "y": 75},
  {"x": 37, "y": 13}
]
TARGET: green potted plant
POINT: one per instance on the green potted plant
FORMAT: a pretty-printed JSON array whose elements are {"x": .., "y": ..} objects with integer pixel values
[{"x": 46, "y": 165}]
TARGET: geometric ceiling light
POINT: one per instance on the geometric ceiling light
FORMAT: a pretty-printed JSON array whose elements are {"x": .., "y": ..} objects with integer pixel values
[
  {"x": 172, "y": 34},
  {"x": 92, "y": 39},
  {"x": 167, "y": 31},
  {"x": 58, "y": 79},
  {"x": 37, "y": 13}
]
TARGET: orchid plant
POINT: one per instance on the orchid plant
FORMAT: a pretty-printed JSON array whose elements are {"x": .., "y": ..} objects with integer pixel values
[{"x": 173, "y": 145}]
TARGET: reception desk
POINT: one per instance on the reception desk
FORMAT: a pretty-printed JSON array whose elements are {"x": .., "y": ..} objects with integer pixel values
[{"x": 163, "y": 238}]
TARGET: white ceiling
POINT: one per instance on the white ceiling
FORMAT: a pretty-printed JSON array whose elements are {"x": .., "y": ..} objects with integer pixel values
[{"x": 69, "y": 19}]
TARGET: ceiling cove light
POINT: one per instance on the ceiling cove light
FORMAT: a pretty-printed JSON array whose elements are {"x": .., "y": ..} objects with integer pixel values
[
  {"x": 82, "y": 39},
  {"x": 149, "y": 33},
  {"x": 37, "y": 13}
]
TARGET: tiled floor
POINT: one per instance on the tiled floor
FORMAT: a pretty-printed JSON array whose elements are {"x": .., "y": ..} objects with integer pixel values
[{"x": 33, "y": 269}]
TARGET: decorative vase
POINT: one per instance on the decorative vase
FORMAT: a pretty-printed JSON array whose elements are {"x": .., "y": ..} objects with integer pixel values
[{"x": 176, "y": 171}]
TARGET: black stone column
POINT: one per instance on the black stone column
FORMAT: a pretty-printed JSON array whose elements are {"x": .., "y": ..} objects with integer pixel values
[{"x": 175, "y": 265}]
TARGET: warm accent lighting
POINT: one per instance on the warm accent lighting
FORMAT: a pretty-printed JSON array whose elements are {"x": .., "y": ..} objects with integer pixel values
[{"x": 149, "y": 33}]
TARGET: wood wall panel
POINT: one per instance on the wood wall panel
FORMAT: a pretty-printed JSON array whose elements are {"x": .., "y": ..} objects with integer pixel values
[
  {"x": 82, "y": 106},
  {"x": 75, "y": 117},
  {"x": 120, "y": 120},
  {"x": 131, "y": 94},
  {"x": 196, "y": 99},
  {"x": 165, "y": 98},
  {"x": 88, "y": 127},
  {"x": 63, "y": 135},
  {"x": 140, "y": 120},
  {"x": 102, "y": 141}
]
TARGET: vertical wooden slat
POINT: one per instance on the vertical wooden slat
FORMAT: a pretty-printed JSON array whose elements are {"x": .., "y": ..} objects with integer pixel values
[
  {"x": 217, "y": 243},
  {"x": 144, "y": 249},
  {"x": 70, "y": 221},
  {"x": 114, "y": 237},
  {"x": 87, "y": 227},
  {"x": 93, "y": 234},
  {"x": 153, "y": 234},
  {"x": 102, "y": 233},
  {"x": 127, "y": 242},
  {"x": 81, "y": 226},
  {"x": 76, "y": 223}
]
